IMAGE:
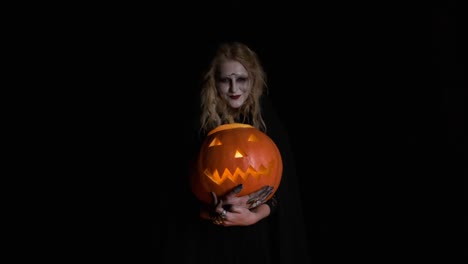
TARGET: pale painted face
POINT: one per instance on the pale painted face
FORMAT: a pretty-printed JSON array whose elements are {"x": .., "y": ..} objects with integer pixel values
[{"x": 233, "y": 83}]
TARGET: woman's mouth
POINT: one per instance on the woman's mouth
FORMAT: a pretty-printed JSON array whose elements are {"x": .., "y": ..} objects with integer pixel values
[{"x": 234, "y": 97}]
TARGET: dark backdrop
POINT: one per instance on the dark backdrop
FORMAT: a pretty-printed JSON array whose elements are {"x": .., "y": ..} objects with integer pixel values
[
  {"x": 371, "y": 97},
  {"x": 370, "y": 102}
]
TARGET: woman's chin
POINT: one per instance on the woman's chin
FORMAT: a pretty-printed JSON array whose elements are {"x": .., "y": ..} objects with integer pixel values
[{"x": 235, "y": 105}]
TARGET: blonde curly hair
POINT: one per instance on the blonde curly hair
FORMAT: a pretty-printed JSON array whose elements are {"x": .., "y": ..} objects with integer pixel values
[{"x": 214, "y": 111}]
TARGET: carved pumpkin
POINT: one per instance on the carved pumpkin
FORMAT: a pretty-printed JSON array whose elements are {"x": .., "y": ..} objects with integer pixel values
[{"x": 232, "y": 154}]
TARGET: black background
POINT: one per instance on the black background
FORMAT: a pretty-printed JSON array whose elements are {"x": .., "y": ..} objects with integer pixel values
[
  {"x": 372, "y": 100},
  {"x": 371, "y": 95}
]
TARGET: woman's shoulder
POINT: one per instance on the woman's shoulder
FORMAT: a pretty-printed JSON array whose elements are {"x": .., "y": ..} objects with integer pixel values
[
  {"x": 275, "y": 127},
  {"x": 270, "y": 114}
]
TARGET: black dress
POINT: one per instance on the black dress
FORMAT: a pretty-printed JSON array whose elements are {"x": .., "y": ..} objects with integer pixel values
[{"x": 181, "y": 236}]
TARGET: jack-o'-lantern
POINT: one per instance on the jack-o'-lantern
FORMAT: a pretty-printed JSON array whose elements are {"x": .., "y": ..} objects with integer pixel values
[{"x": 232, "y": 154}]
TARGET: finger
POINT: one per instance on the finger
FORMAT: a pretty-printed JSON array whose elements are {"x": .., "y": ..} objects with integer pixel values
[
  {"x": 223, "y": 214},
  {"x": 256, "y": 195},
  {"x": 268, "y": 190},
  {"x": 219, "y": 208},
  {"x": 236, "y": 209},
  {"x": 218, "y": 221},
  {"x": 215, "y": 198},
  {"x": 265, "y": 194},
  {"x": 259, "y": 197},
  {"x": 258, "y": 192},
  {"x": 234, "y": 191},
  {"x": 238, "y": 188}
]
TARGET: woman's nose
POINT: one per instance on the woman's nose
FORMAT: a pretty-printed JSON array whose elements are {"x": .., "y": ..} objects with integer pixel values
[{"x": 234, "y": 86}]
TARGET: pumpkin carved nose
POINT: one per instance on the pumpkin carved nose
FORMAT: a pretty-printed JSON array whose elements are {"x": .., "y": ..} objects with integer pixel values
[{"x": 238, "y": 154}]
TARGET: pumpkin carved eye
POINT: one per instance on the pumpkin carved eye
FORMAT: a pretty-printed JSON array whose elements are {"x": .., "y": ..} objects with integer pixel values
[
  {"x": 252, "y": 138},
  {"x": 215, "y": 142},
  {"x": 234, "y": 154},
  {"x": 239, "y": 153}
]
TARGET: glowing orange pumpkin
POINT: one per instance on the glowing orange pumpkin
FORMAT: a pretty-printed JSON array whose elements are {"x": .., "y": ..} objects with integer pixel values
[{"x": 232, "y": 154}]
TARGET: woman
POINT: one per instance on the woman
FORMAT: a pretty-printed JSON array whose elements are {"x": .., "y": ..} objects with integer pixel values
[{"x": 248, "y": 230}]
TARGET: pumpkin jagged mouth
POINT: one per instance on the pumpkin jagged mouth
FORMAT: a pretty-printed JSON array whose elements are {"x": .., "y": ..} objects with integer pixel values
[{"x": 216, "y": 178}]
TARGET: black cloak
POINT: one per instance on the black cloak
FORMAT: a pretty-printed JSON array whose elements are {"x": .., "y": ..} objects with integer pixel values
[{"x": 181, "y": 236}]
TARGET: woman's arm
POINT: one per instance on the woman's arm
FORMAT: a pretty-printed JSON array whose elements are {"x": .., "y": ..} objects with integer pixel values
[{"x": 231, "y": 210}]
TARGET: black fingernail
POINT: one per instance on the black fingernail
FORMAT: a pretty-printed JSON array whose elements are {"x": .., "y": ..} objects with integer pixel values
[{"x": 238, "y": 188}]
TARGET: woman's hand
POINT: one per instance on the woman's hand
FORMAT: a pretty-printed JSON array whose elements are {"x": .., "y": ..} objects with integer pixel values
[
  {"x": 249, "y": 201},
  {"x": 231, "y": 210}
]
